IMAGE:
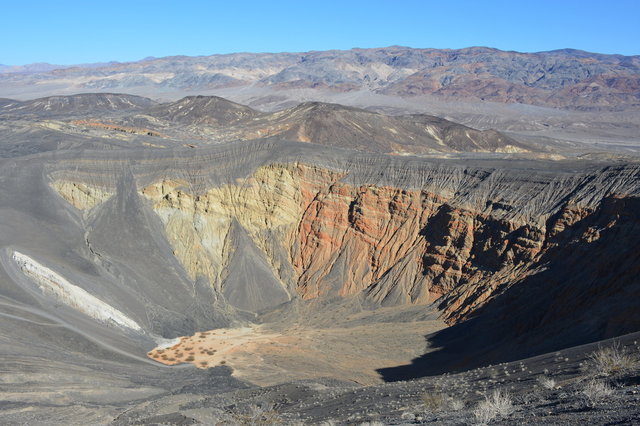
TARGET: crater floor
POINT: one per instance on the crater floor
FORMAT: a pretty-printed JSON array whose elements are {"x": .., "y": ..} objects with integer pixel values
[{"x": 268, "y": 355}]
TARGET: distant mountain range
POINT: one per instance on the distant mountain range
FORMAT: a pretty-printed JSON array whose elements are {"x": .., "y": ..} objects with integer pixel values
[
  {"x": 569, "y": 79},
  {"x": 40, "y": 67}
]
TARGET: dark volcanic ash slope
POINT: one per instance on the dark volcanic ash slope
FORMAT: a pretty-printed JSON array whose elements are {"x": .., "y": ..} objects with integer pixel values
[
  {"x": 75, "y": 105},
  {"x": 130, "y": 121},
  {"x": 334, "y": 125},
  {"x": 208, "y": 110},
  {"x": 331, "y": 124},
  {"x": 65, "y": 122}
]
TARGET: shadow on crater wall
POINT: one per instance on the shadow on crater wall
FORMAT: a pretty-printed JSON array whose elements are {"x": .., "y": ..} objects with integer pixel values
[{"x": 586, "y": 290}]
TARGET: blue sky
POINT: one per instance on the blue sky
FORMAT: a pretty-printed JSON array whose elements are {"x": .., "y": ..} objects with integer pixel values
[{"x": 70, "y": 32}]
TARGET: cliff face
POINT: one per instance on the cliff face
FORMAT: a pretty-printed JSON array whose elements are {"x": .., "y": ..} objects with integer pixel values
[
  {"x": 309, "y": 231},
  {"x": 199, "y": 227},
  {"x": 322, "y": 237},
  {"x": 583, "y": 286}
]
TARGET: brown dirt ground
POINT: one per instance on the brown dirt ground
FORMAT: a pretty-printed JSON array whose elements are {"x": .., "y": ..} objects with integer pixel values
[{"x": 265, "y": 356}]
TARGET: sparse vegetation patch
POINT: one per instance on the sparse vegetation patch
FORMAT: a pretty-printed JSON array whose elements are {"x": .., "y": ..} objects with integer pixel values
[
  {"x": 613, "y": 360},
  {"x": 499, "y": 403}
]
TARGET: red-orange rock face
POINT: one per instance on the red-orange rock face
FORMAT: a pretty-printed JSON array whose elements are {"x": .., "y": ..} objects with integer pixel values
[
  {"x": 355, "y": 235},
  {"x": 403, "y": 246},
  {"x": 395, "y": 246}
]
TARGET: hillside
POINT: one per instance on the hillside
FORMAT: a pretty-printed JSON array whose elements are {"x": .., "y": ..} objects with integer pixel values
[
  {"x": 334, "y": 125},
  {"x": 203, "y": 120},
  {"x": 70, "y": 106}
]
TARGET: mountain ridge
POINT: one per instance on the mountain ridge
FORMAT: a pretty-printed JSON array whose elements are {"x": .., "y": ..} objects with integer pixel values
[
  {"x": 83, "y": 103},
  {"x": 212, "y": 119},
  {"x": 391, "y": 70},
  {"x": 566, "y": 50}
]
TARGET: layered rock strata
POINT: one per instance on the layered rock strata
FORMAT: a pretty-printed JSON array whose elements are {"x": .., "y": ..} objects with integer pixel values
[{"x": 462, "y": 236}]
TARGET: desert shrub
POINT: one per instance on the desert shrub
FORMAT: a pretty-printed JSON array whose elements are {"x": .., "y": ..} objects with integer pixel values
[
  {"x": 595, "y": 391},
  {"x": 263, "y": 414},
  {"x": 408, "y": 415},
  {"x": 456, "y": 404},
  {"x": 613, "y": 360},
  {"x": 433, "y": 401},
  {"x": 499, "y": 403},
  {"x": 547, "y": 382}
]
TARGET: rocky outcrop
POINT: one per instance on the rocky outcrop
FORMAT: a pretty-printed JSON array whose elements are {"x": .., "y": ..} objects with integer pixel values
[
  {"x": 323, "y": 236},
  {"x": 81, "y": 195},
  {"x": 267, "y": 205},
  {"x": 583, "y": 286}
]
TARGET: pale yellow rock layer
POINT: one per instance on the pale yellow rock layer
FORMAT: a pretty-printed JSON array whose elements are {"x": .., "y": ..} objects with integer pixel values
[
  {"x": 80, "y": 195},
  {"x": 401, "y": 246},
  {"x": 197, "y": 225}
]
